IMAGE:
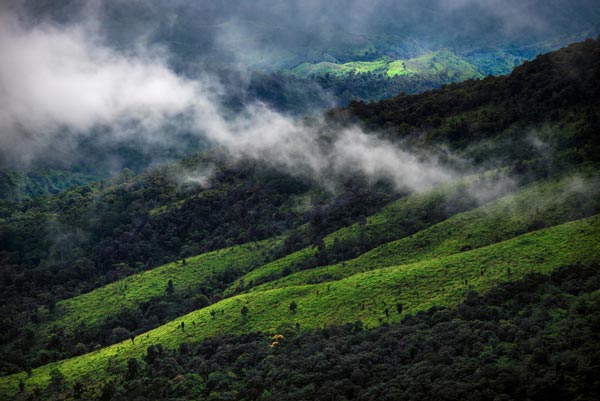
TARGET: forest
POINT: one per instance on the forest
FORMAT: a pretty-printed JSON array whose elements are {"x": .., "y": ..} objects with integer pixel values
[{"x": 531, "y": 339}]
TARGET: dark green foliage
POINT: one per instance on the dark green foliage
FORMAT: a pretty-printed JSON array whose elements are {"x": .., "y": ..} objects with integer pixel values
[
  {"x": 57, "y": 380},
  {"x": 301, "y": 95},
  {"x": 561, "y": 87},
  {"x": 17, "y": 186},
  {"x": 133, "y": 369},
  {"x": 169, "y": 290},
  {"x": 535, "y": 339}
]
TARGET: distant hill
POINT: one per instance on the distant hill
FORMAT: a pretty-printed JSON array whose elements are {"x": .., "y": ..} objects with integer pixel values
[
  {"x": 554, "y": 98},
  {"x": 430, "y": 64}
]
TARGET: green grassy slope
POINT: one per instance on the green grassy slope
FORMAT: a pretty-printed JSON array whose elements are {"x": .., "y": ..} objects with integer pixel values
[
  {"x": 96, "y": 306},
  {"x": 90, "y": 310},
  {"x": 535, "y": 206},
  {"x": 365, "y": 296},
  {"x": 396, "y": 220},
  {"x": 432, "y": 63}
]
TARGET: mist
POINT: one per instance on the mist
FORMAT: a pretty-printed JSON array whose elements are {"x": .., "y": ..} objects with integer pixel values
[
  {"x": 273, "y": 34},
  {"x": 109, "y": 72},
  {"x": 60, "y": 83}
]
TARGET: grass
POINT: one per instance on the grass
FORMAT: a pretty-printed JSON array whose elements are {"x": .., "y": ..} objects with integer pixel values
[
  {"x": 91, "y": 309},
  {"x": 359, "y": 67},
  {"x": 535, "y": 206},
  {"x": 364, "y": 296},
  {"x": 96, "y": 306},
  {"x": 396, "y": 220},
  {"x": 390, "y": 223},
  {"x": 432, "y": 63},
  {"x": 356, "y": 67}
]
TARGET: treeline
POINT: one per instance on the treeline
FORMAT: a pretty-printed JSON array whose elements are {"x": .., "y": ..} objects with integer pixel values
[
  {"x": 17, "y": 185},
  {"x": 434, "y": 209},
  {"x": 288, "y": 92},
  {"x": 534, "y": 339}
]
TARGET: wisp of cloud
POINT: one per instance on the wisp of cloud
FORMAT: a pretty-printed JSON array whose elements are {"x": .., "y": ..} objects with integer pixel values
[{"x": 58, "y": 83}]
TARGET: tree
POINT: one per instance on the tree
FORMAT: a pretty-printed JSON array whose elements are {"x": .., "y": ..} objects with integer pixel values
[
  {"x": 293, "y": 306},
  {"x": 108, "y": 391},
  {"x": 200, "y": 301},
  {"x": 77, "y": 389},
  {"x": 57, "y": 379},
  {"x": 133, "y": 368},
  {"x": 79, "y": 349},
  {"x": 184, "y": 348},
  {"x": 170, "y": 288},
  {"x": 119, "y": 334}
]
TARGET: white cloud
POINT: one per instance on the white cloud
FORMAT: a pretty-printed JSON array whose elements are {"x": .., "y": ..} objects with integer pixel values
[
  {"x": 57, "y": 83},
  {"x": 55, "y": 79}
]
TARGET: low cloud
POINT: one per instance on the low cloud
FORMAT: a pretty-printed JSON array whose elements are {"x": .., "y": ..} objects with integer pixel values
[
  {"x": 321, "y": 152},
  {"x": 200, "y": 177},
  {"x": 60, "y": 83}
]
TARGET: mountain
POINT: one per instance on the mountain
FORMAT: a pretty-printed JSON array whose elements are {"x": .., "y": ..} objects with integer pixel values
[
  {"x": 555, "y": 101},
  {"x": 215, "y": 278}
]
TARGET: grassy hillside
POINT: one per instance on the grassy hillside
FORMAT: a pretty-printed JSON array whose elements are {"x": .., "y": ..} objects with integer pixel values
[
  {"x": 533, "y": 207},
  {"x": 60, "y": 246},
  {"x": 483, "y": 344},
  {"x": 370, "y": 297},
  {"x": 187, "y": 277},
  {"x": 396, "y": 220},
  {"x": 444, "y": 61},
  {"x": 433, "y": 64},
  {"x": 90, "y": 312},
  {"x": 141, "y": 302}
]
